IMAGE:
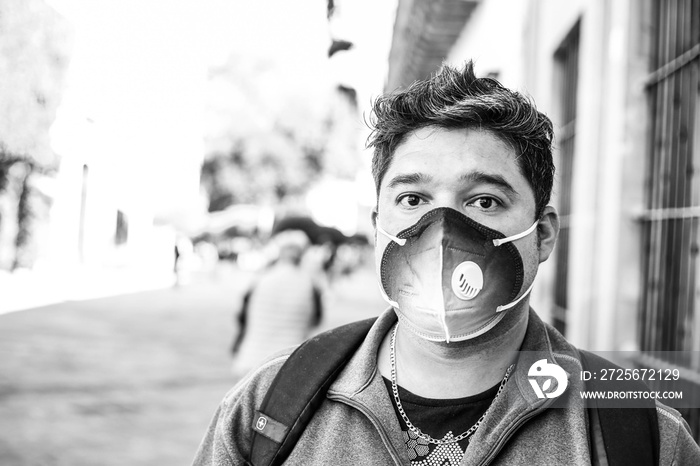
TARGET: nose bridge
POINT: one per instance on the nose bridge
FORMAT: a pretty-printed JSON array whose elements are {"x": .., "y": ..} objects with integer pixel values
[{"x": 448, "y": 198}]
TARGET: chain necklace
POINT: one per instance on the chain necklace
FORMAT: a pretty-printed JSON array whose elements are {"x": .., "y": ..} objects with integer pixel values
[{"x": 413, "y": 428}]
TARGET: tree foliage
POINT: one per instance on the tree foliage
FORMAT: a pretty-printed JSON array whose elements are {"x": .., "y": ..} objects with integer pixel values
[
  {"x": 270, "y": 139},
  {"x": 35, "y": 44}
]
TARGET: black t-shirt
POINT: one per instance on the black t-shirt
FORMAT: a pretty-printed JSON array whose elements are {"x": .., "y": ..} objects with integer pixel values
[{"x": 441, "y": 419}]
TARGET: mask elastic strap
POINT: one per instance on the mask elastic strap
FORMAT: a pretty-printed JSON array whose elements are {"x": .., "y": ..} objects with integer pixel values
[
  {"x": 400, "y": 242},
  {"x": 505, "y": 307},
  {"x": 395, "y": 239},
  {"x": 498, "y": 242}
]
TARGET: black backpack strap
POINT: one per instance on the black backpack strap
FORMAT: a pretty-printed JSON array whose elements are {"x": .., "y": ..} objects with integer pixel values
[
  {"x": 299, "y": 389},
  {"x": 629, "y": 435}
]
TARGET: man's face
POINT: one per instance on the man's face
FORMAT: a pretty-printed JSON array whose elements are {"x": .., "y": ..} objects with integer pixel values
[{"x": 468, "y": 170}]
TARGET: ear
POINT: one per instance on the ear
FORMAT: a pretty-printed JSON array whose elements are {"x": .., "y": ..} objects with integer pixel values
[
  {"x": 373, "y": 216},
  {"x": 547, "y": 231}
]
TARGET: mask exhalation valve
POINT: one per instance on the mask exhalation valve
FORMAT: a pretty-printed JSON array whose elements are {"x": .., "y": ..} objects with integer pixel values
[{"x": 467, "y": 280}]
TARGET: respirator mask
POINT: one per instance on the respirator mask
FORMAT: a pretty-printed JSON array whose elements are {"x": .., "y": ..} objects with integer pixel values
[{"x": 449, "y": 277}]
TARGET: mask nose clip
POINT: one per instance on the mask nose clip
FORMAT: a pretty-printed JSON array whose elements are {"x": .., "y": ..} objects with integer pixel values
[{"x": 467, "y": 280}]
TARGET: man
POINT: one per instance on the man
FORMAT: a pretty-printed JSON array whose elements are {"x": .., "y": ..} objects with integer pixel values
[
  {"x": 463, "y": 170},
  {"x": 282, "y": 307}
]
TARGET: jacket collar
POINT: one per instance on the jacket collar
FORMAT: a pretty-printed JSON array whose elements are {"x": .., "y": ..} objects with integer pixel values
[
  {"x": 517, "y": 404},
  {"x": 539, "y": 340},
  {"x": 362, "y": 367}
]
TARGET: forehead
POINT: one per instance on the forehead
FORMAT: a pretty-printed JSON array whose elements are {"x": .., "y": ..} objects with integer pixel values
[{"x": 447, "y": 153}]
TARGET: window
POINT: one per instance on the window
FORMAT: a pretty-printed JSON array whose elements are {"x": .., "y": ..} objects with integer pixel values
[
  {"x": 566, "y": 69},
  {"x": 671, "y": 221}
]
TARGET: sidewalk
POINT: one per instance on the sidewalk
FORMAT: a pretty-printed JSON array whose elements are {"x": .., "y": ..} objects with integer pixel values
[
  {"x": 86, "y": 382},
  {"x": 25, "y": 289}
]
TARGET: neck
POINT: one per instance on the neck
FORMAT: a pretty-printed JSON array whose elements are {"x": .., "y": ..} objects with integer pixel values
[{"x": 458, "y": 369}]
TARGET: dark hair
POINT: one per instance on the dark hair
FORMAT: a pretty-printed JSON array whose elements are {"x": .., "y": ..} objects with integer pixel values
[{"x": 456, "y": 98}]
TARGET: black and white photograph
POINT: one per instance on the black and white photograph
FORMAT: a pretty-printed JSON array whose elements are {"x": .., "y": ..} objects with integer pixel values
[{"x": 349, "y": 232}]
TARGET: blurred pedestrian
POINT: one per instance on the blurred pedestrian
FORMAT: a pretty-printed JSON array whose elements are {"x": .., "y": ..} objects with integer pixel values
[{"x": 281, "y": 308}]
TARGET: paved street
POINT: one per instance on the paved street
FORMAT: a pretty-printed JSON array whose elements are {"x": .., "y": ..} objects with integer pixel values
[{"x": 130, "y": 379}]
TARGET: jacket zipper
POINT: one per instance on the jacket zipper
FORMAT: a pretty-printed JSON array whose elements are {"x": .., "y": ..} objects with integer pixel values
[
  {"x": 373, "y": 419},
  {"x": 509, "y": 433}
]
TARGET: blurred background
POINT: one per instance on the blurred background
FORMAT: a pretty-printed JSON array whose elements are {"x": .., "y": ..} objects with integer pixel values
[{"x": 151, "y": 151}]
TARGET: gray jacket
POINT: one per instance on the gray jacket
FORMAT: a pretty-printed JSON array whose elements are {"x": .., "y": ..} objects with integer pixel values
[{"x": 357, "y": 423}]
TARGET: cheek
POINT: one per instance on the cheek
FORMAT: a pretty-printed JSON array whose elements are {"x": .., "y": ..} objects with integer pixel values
[{"x": 531, "y": 259}]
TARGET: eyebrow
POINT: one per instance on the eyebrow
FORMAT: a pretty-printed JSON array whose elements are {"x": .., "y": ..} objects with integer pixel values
[
  {"x": 490, "y": 178},
  {"x": 409, "y": 178},
  {"x": 475, "y": 177}
]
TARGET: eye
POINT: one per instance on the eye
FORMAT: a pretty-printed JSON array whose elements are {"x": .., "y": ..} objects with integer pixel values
[
  {"x": 484, "y": 203},
  {"x": 410, "y": 200}
]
